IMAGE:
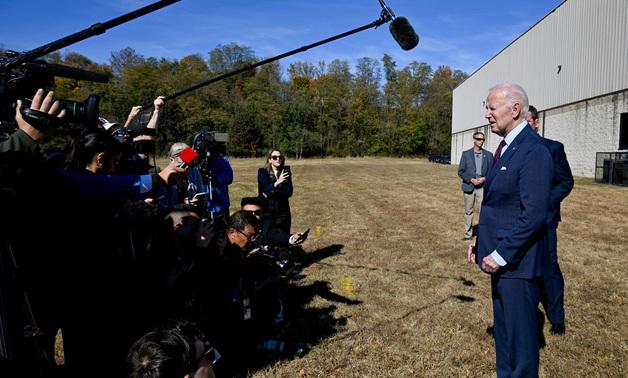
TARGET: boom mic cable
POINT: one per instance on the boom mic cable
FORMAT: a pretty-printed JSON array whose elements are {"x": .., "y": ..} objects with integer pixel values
[{"x": 400, "y": 29}]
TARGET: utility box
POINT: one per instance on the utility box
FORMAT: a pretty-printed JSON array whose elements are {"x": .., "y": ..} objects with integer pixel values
[{"x": 611, "y": 168}]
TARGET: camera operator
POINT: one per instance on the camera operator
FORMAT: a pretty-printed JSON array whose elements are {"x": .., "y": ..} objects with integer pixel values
[
  {"x": 149, "y": 132},
  {"x": 24, "y": 261},
  {"x": 269, "y": 235},
  {"x": 225, "y": 291},
  {"x": 212, "y": 176},
  {"x": 268, "y": 262},
  {"x": 138, "y": 138},
  {"x": 34, "y": 226}
]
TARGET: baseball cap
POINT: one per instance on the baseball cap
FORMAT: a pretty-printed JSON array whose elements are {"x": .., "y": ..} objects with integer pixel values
[{"x": 106, "y": 124}]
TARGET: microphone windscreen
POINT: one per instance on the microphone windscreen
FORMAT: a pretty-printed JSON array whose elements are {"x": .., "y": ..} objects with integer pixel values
[
  {"x": 403, "y": 33},
  {"x": 188, "y": 155}
]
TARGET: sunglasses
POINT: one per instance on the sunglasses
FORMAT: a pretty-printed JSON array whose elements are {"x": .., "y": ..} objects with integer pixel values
[
  {"x": 276, "y": 157},
  {"x": 257, "y": 213},
  {"x": 482, "y": 139}
]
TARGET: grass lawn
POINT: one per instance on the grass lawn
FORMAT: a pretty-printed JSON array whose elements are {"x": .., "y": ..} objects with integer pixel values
[{"x": 392, "y": 294}]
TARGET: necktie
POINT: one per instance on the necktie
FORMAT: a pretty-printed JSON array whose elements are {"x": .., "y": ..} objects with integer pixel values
[{"x": 498, "y": 153}]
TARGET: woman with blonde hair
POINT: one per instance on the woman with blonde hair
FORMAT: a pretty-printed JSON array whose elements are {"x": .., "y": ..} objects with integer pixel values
[{"x": 274, "y": 184}]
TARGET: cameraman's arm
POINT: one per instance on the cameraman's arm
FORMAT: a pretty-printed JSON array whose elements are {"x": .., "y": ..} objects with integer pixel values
[{"x": 154, "y": 119}]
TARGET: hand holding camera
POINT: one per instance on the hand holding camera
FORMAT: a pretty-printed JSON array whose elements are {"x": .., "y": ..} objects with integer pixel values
[{"x": 41, "y": 108}]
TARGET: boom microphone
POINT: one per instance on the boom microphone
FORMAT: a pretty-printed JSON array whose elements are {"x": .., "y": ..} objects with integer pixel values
[
  {"x": 403, "y": 33},
  {"x": 65, "y": 71},
  {"x": 400, "y": 29}
]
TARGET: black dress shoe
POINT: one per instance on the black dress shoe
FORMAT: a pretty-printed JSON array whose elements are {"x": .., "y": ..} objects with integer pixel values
[
  {"x": 490, "y": 330},
  {"x": 558, "y": 329}
]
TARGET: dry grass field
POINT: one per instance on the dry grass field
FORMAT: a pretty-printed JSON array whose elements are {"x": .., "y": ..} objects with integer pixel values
[{"x": 387, "y": 292}]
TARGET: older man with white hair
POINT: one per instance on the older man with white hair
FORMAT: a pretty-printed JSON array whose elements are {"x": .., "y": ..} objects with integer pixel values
[{"x": 511, "y": 235}]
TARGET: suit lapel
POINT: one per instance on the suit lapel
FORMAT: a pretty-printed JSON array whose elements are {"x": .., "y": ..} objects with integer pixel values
[{"x": 508, "y": 155}]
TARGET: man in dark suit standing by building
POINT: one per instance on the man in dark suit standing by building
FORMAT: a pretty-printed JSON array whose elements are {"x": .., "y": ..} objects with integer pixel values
[
  {"x": 552, "y": 286},
  {"x": 511, "y": 235},
  {"x": 474, "y": 166}
]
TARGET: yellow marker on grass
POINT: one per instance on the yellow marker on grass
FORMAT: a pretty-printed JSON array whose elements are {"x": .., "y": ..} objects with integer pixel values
[{"x": 345, "y": 281}]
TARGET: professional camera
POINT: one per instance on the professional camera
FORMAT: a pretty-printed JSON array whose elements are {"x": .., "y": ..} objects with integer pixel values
[
  {"x": 209, "y": 146},
  {"x": 281, "y": 258},
  {"x": 23, "y": 82}
]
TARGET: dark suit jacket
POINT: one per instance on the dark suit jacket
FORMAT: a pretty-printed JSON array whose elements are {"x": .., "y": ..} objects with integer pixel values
[
  {"x": 516, "y": 207},
  {"x": 562, "y": 182},
  {"x": 271, "y": 235},
  {"x": 277, "y": 197},
  {"x": 466, "y": 169}
]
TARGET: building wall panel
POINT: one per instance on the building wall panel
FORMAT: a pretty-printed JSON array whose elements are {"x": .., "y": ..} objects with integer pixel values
[{"x": 588, "y": 39}]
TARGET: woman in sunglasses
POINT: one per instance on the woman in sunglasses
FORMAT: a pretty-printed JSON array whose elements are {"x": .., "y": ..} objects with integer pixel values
[{"x": 274, "y": 183}]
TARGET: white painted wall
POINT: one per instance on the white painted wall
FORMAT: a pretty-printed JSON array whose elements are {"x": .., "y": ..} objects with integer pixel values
[{"x": 585, "y": 128}]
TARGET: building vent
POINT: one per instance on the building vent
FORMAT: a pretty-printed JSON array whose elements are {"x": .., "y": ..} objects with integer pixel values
[{"x": 611, "y": 168}]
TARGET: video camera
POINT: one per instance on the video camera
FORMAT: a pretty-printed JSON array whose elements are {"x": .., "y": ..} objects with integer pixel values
[
  {"x": 209, "y": 145},
  {"x": 23, "y": 82}
]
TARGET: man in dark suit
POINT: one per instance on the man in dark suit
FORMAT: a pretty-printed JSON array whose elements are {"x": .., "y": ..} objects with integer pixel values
[
  {"x": 552, "y": 286},
  {"x": 474, "y": 166},
  {"x": 511, "y": 235}
]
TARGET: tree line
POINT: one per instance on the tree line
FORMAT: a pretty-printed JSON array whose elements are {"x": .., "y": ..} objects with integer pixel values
[{"x": 321, "y": 109}]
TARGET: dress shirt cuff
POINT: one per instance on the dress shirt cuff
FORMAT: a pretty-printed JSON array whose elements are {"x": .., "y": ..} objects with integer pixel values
[{"x": 498, "y": 259}]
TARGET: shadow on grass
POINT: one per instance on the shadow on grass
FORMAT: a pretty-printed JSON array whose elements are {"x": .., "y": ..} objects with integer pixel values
[
  {"x": 307, "y": 325},
  {"x": 461, "y": 298},
  {"x": 308, "y": 258},
  {"x": 464, "y": 281},
  {"x": 310, "y": 326}
]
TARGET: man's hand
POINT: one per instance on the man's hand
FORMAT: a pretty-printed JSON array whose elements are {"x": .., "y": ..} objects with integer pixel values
[
  {"x": 481, "y": 180},
  {"x": 40, "y": 103},
  {"x": 171, "y": 172},
  {"x": 474, "y": 181},
  {"x": 489, "y": 264},
  {"x": 296, "y": 239},
  {"x": 471, "y": 253}
]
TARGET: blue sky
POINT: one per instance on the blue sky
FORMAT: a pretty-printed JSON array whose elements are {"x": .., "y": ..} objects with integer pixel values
[{"x": 463, "y": 34}]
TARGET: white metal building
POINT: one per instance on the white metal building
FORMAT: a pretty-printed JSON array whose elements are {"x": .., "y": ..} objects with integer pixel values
[{"x": 573, "y": 64}]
